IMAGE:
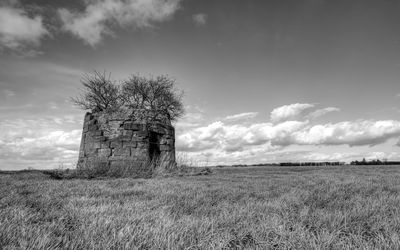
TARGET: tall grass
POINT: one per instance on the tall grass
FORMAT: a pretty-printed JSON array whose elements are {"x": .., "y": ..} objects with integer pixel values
[
  {"x": 346, "y": 207},
  {"x": 102, "y": 167}
]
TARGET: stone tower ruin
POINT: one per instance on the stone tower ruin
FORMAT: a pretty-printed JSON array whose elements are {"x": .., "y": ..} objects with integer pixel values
[{"x": 117, "y": 143}]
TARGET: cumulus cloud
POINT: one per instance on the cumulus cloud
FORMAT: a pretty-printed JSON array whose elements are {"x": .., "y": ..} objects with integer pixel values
[
  {"x": 200, "y": 19},
  {"x": 234, "y": 137},
  {"x": 41, "y": 140},
  {"x": 228, "y": 138},
  {"x": 241, "y": 116},
  {"x": 51, "y": 146},
  {"x": 100, "y": 15},
  {"x": 356, "y": 133},
  {"x": 19, "y": 31}
]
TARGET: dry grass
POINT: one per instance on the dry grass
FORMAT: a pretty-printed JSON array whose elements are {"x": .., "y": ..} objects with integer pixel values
[{"x": 345, "y": 207}]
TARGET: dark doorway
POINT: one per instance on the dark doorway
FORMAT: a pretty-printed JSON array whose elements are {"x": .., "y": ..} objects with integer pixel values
[{"x": 154, "y": 150}]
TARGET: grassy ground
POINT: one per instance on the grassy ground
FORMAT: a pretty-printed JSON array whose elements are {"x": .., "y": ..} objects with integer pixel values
[{"x": 344, "y": 207}]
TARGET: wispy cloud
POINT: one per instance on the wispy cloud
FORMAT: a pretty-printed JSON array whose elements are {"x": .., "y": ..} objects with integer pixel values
[
  {"x": 290, "y": 112},
  {"x": 200, "y": 19},
  {"x": 20, "y": 32},
  {"x": 300, "y": 111},
  {"x": 241, "y": 116},
  {"x": 9, "y": 93},
  {"x": 100, "y": 16},
  {"x": 320, "y": 112}
]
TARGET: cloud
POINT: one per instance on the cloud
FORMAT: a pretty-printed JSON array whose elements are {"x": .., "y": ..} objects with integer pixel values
[
  {"x": 290, "y": 112},
  {"x": 200, "y": 19},
  {"x": 45, "y": 147},
  {"x": 100, "y": 15},
  {"x": 235, "y": 137},
  {"x": 241, "y": 116},
  {"x": 20, "y": 32},
  {"x": 299, "y": 111},
  {"x": 193, "y": 117},
  {"x": 320, "y": 112},
  {"x": 9, "y": 93},
  {"x": 358, "y": 133},
  {"x": 39, "y": 140},
  {"x": 228, "y": 138}
]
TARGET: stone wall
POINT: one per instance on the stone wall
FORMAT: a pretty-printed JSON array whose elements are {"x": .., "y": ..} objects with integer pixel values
[{"x": 117, "y": 142}]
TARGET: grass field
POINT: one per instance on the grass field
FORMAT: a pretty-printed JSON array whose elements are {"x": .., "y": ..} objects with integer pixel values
[{"x": 344, "y": 207}]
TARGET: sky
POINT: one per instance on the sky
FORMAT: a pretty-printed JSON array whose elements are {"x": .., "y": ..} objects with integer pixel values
[{"x": 264, "y": 81}]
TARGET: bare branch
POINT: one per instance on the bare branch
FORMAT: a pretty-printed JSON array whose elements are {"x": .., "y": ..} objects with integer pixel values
[{"x": 152, "y": 99}]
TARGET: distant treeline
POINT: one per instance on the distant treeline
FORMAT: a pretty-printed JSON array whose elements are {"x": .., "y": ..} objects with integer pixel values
[
  {"x": 375, "y": 162},
  {"x": 287, "y": 164},
  {"x": 327, "y": 163}
]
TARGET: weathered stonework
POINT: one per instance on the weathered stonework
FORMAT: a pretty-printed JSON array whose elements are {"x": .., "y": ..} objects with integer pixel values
[{"x": 117, "y": 142}]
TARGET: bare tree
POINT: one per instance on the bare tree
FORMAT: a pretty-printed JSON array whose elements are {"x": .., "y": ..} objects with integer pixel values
[
  {"x": 152, "y": 99},
  {"x": 99, "y": 93}
]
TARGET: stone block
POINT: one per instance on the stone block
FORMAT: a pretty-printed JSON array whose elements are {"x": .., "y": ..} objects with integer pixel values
[
  {"x": 122, "y": 152},
  {"x": 139, "y": 138},
  {"x": 85, "y": 128},
  {"x": 105, "y": 144},
  {"x": 93, "y": 127},
  {"x": 116, "y": 144},
  {"x": 138, "y": 152},
  {"x": 100, "y": 138},
  {"x": 90, "y": 139},
  {"x": 165, "y": 147},
  {"x": 143, "y": 133},
  {"x": 125, "y": 138},
  {"x": 127, "y": 133},
  {"x": 142, "y": 145},
  {"x": 104, "y": 152},
  {"x": 131, "y": 126},
  {"x": 93, "y": 144},
  {"x": 90, "y": 151},
  {"x": 95, "y": 133},
  {"x": 117, "y": 158},
  {"x": 129, "y": 144},
  {"x": 116, "y": 163},
  {"x": 142, "y": 127}
]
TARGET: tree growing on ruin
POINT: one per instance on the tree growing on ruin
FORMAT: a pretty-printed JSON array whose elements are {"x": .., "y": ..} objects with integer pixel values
[
  {"x": 99, "y": 93},
  {"x": 150, "y": 99},
  {"x": 153, "y": 98}
]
